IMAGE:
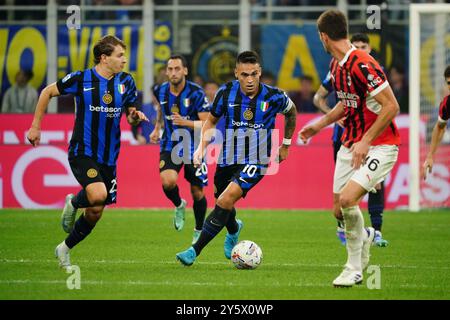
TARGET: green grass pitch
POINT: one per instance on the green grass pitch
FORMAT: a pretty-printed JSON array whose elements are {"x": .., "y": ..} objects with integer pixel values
[{"x": 131, "y": 255}]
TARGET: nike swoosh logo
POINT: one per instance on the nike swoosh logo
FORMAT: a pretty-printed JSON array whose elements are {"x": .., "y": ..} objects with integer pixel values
[
  {"x": 163, "y": 102},
  {"x": 205, "y": 180},
  {"x": 231, "y": 105},
  {"x": 215, "y": 224},
  {"x": 242, "y": 180},
  {"x": 88, "y": 89}
]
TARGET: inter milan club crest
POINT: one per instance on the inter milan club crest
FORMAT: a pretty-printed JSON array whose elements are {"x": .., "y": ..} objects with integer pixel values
[
  {"x": 175, "y": 109},
  {"x": 92, "y": 173},
  {"x": 107, "y": 98},
  {"x": 186, "y": 102},
  {"x": 121, "y": 88},
  {"x": 248, "y": 114}
]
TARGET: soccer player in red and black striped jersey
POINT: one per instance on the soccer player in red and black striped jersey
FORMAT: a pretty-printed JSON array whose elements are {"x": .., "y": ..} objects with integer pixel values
[
  {"x": 370, "y": 142},
  {"x": 102, "y": 94},
  {"x": 439, "y": 128}
]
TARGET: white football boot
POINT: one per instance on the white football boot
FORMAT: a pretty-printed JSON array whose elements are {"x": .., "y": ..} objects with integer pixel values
[
  {"x": 348, "y": 278},
  {"x": 63, "y": 256}
]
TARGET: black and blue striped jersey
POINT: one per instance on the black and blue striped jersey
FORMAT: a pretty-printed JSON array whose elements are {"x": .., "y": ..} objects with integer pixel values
[
  {"x": 248, "y": 122},
  {"x": 99, "y": 106},
  {"x": 338, "y": 130},
  {"x": 188, "y": 104}
]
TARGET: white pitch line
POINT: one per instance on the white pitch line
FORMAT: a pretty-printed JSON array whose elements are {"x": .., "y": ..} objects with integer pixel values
[
  {"x": 195, "y": 284},
  {"x": 306, "y": 265}
]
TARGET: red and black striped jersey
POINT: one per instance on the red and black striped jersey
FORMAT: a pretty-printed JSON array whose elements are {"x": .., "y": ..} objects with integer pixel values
[
  {"x": 357, "y": 79},
  {"x": 444, "y": 109}
]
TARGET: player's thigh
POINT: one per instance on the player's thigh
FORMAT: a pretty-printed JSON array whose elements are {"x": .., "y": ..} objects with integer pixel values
[
  {"x": 379, "y": 162},
  {"x": 351, "y": 194},
  {"x": 232, "y": 193},
  {"x": 222, "y": 178},
  {"x": 196, "y": 176},
  {"x": 168, "y": 170},
  {"x": 343, "y": 170}
]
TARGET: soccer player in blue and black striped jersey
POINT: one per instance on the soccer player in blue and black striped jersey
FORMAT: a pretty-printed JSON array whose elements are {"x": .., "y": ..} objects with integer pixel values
[
  {"x": 102, "y": 94},
  {"x": 183, "y": 107},
  {"x": 249, "y": 108},
  {"x": 376, "y": 199}
]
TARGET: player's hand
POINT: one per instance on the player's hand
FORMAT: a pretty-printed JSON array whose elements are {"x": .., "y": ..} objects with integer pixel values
[
  {"x": 283, "y": 152},
  {"x": 307, "y": 132},
  {"x": 427, "y": 167},
  {"x": 138, "y": 116},
  {"x": 154, "y": 136},
  {"x": 34, "y": 136},
  {"x": 359, "y": 152},
  {"x": 178, "y": 120},
  {"x": 197, "y": 158}
]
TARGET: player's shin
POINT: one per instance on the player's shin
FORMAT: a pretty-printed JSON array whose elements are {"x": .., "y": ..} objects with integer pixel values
[
  {"x": 354, "y": 230},
  {"x": 80, "y": 231},
  {"x": 214, "y": 223},
  {"x": 199, "y": 207}
]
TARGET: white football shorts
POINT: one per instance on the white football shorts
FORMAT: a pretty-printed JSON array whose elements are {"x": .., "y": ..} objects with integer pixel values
[{"x": 380, "y": 161}]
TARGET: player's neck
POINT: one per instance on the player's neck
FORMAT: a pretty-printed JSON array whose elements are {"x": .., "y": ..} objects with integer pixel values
[
  {"x": 176, "y": 89},
  {"x": 340, "y": 49},
  {"x": 104, "y": 72}
]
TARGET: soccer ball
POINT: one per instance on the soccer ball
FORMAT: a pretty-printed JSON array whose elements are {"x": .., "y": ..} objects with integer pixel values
[{"x": 246, "y": 255}]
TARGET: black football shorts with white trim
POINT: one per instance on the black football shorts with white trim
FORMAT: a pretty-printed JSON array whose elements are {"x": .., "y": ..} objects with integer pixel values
[
  {"x": 195, "y": 176},
  {"x": 88, "y": 171},
  {"x": 245, "y": 175}
]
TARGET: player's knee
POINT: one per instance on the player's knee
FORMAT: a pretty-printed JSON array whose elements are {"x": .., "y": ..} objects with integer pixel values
[
  {"x": 97, "y": 197},
  {"x": 225, "y": 201},
  {"x": 346, "y": 201},
  {"x": 169, "y": 184},
  {"x": 197, "y": 193},
  {"x": 338, "y": 213}
]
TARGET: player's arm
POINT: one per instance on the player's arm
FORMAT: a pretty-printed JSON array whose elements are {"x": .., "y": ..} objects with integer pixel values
[
  {"x": 193, "y": 124},
  {"x": 206, "y": 136},
  {"x": 154, "y": 136},
  {"x": 436, "y": 138},
  {"x": 320, "y": 100},
  {"x": 389, "y": 110},
  {"x": 34, "y": 134},
  {"x": 290, "y": 119},
  {"x": 332, "y": 116}
]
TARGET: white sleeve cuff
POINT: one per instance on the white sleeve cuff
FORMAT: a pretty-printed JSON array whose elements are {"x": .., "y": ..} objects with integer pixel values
[
  {"x": 290, "y": 104},
  {"x": 442, "y": 120},
  {"x": 379, "y": 89}
]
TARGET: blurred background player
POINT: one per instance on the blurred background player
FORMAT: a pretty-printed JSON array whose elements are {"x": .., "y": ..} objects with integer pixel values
[
  {"x": 183, "y": 107},
  {"x": 21, "y": 97},
  {"x": 439, "y": 128},
  {"x": 249, "y": 107},
  {"x": 376, "y": 198},
  {"x": 370, "y": 142},
  {"x": 94, "y": 147}
]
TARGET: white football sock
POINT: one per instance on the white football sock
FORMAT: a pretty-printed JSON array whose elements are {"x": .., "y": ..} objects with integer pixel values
[
  {"x": 354, "y": 232},
  {"x": 64, "y": 247}
]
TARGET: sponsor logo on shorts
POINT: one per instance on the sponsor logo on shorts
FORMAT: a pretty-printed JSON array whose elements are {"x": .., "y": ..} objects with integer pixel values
[{"x": 92, "y": 173}]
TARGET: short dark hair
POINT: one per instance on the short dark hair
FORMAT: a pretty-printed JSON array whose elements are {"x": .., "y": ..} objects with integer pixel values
[
  {"x": 106, "y": 46},
  {"x": 447, "y": 72},
  {"x": 334, "y": 24},
  {"x": 179, "y": 57},
  {"x": 248, "y": 57},
  {"x": 360, "y": 37}
]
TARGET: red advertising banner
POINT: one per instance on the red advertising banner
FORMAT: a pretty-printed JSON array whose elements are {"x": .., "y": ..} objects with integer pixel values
[{"x": 41, "y": 177}]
